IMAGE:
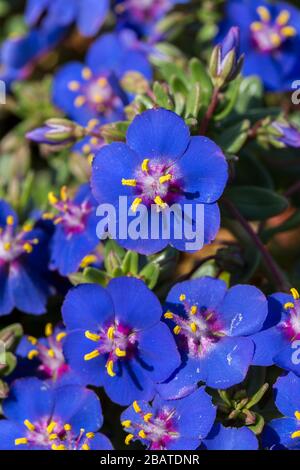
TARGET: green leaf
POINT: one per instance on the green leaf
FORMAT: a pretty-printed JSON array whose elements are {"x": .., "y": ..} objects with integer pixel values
[
  {"x": 113, "y": 256},
  {"x": 193, "y": 101},
  {"x": 232, "y": 95},
  {"x": 252, "y": 172},
  {"x": 150, "y": 274},
  {"x": 95, "y": 276},
  {"x": 130, "y": 263},
  {"x": 162, "y": 98},
  {"x": 232, "y": 139},
  {"x": 257, "y": 396},
  {"x": 256, "y": 203},
  {"x": 11, "y": 362},
  {"x": 259, "y": 424},
  {"x": 250, "y": 95},
  {"x": 200, "y": 75},
  {"x": 11, "y": 334}
]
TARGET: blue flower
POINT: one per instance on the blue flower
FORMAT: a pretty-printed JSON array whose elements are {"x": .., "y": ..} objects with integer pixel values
[
  {"x": 285, "y": 432},
  {"x": 24, "y": 255},
  {"x": 40, "y": 417},
  {"x": 290, "y": 135},
  {"x": 270, "y": 39},
  {"x": 279, "y": 340},
  {"x": 75, "y": 234},
  {"x": 19, "y": 53},
  {"x": 58, "y": 132},
  {"x": 170, "y": 425},
  {"x": 161, "y": 165},
  {"x": 212, "y": 327},
  {"x": 94, "y": 90},
  {"x": 221, "y": 438},
  {"x": 88, "y": 15},
  {"x": 46, "y": 358},
  {"x": 119, "y": 342}
]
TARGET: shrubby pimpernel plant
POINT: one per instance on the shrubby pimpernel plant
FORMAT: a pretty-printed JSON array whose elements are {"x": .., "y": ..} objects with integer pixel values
[{"x": 149, "y": 225}]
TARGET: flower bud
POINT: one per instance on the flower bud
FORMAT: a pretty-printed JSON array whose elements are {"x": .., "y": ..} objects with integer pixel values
[
  {"x": 56, "y": 131},
  {"x": 289, "y": 135}
]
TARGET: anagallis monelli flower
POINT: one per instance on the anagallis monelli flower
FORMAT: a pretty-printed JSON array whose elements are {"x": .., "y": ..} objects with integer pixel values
[
  {"x": 213, "y": 327},
  {"x": 115, "y": 339},
  {"x": 278, "y": 343},
  {"x": 270, "y": 39},
  {"x": 75, "y": 236},
  {"x": 285, "y": 432},
  {"x": 222, "y": 438},
  {"x": 40, "y": 417},
  {"x": 170, "y": 425},
  {"x": 24, "y": 257}
]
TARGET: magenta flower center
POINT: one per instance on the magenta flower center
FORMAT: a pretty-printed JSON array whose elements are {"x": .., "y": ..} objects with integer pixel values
[
  {"x": 13, "y": 245},
  {"x": 291, "y": 324},
  {"x": 269, "y": 35}
]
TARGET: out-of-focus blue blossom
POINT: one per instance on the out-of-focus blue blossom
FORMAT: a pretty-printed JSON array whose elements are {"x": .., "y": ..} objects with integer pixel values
[
  {"x": 290, "y": 135},
  {"x": 75, "y": 236},
  {"x": 88, "y": 15},
  {"x": 18, "y": 54},
  {"x": 94, "y": 90},
  {"x": 24, "y": 257},
  {"x": 55, "y": 132},
  {"x": 285, "y": 432},
  {"x": 170, "y": 425},
  {"x": 279, "y": 340},
  {"x": 221, "y": 438},
  {"x": 119, "y": 343},
  {"x": 40, "y": 417},
  {"x": 161, "y": 165},
  {"x": 213, "y": 328},
  {"x": 270, "y": 39}
]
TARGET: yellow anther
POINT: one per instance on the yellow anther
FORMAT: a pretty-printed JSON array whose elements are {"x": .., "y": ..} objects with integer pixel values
[
  {"x": 85, "y": 447},
  {"x": 193, "y": 327},
  {"x": 60, "y": 447},
  {"x": 27, "y": 247},
  {"x": 165, "y": 178},
  {"x": 21, "y": 440},
  {"x": 289, "y": 31},
  {"x": 111, "y": 332},
  {"x": 50, "y": 427},
  {"x": 92, "y": 336},
  {"x": 54, "y": 447},
  {"x": 48, "y": 329},
  {"x": 90, "y": 435},
  {"x": 94, "y": 141},
  {"x": 79, "y": 101},
  {"x": 86, "y": 149},
  {"x": 295, "y": 293},
  {"x": 128, "y": 182},
  {"x": 33, "y": 353},
  {"x": 73, "y": 85},
  {"x": 98, "y": 99},
  {"x": 93, "y": 123},
  {"x": 67, "y": 427},
  {"x": 29, "y": 425},
  {"x": 48, "y": 216},
  {"x": 182, "y": 297},
  {"x": 147, "y": 417},
  {"x": 52, "y": 198},
  {"x": 136, "y": 407},
  {"x": 10, "y": 220},
  {"x": 128, "y": 439},
  {"x": 88, "y": 260},
  {"x": 102, "y": 82},
  {"x": 264, "y": 13},
  {"x": 90, "y": 158},
  {"x": 87, "y": 73},
  {"x": 256, "y": 26},
  {"x": 64, "y": 193},
  {"x": 158, "y": 200},
  {"x": 297, "y": 415},
  {"x": 91, "y": 355},
  {"x": 136, "y": 204},
  {"x": 177, "y": 329},
  {"x": 145, "y": 165},
  {"x": 120, "y": 353},
  {"x": 35, "y": 241},
  {"x": 283, "y": 17},
  {"x": 53, "y": 437},
  {"x": 295, "y": 434},
  {"x": 126, "y": 423},
  {"x": 27, "y": 227},
  {"x": 193, "y": 310},
  {"x": 7, "y": 246},
  {"x": 168, "y": 315},
  {"x": 110, "y": 368},
  {"x": 288, "y": 305},
  {"x": 32, "y": 340},
  {"x": 275, "y": 39},
  {"x": 142, "y": 434},
  {"x": 60, "y": 336}
]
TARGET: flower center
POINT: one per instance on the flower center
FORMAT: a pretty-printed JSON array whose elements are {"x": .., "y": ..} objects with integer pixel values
[
  {"x": 72, "y": 216},
  {"x": 54, "y": 435},
  {"x": 158, "y": 429},
  {"x": 143, "y": 10},
  {"x": 269, "y": 35},
  {"x": 155, "y": 183},
  {"x": 291, "y": 325},
  {"x": 296, "y": 434},
  {"x": 199, "y": 328},
  {"x": 12, "y": 245},
  {"x": 115, "y": 342}
]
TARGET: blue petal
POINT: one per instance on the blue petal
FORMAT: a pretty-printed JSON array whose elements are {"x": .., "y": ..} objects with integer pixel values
[
  {"x": 158, "y": 133},
  {"x": 204, "y": 170},
  {"x": 134, "y": 303},
  {"x": 9, "y": 431},
  {"x": 221, "y": 438},
  {"x": 91, "y": 15},
  {"x": 287, "y": 391},
  {"x": 182, "y": 382},
  {"x": 268, "y": 344},
  {"x": 87, "y": 306},
  {"x": 5, "y": 211},
  {"x": 106, "y": 53},
  {"x": 34, "y": 10},
  {"x": 6, "y": 297},
  {"x": 244, "y": 310},
  {"x": 289, "y": 357},
  {"x": 279, "y": 431},
  {"x": 100, "y": 442},
  {"x": 137, "y": 62}
]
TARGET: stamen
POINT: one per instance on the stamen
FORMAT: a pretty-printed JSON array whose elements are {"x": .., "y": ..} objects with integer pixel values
[
  {"x": 264, "y": 14},
  {"x": 275, "y": 39},
  {"x": 111, "y": 332},
  {"x": 128, "y": 439},
  {"x": 131, "y": 182},
  {"x": 90, "y": 435},
  {"x": 120, "y": 353},
  {"x": 10, "y": 220},
  {"x": 27, "y": 227},
  {"x": 60, "y": 336},
  {"x": 165, "y": 178},
  {"x": 142, "y": 434},
  {"x": 182, "y": 297},
  {"x": 158, "y": 200},
  {"x": 27, "y": 248},
  {"x": 256, "y": 26},
  {"x": 21, "y": 440},
  {"x": 193, "y": 310},
  {"x": 64, "y": 193},
  {"x": 67, "y": 427},
  {"x": 33, "y": 353},
  {"x": 169, "y": 315},
  {"x": 147, "y": 417},
  {"x": 102, "y": 82},
  {"x": 50, "y": 427},
  {"x": 136, "y": 204},
  {"x": 288, "y": 305},
  {"x": 88, "y": 260},
  {"x": 48, "y": 216},
  {"x": 145, "y": 165},
  {"x": 32, "y": 340},
  {"x": 7, "y": 246},
  {"x": 177, "y": 329},
  {"x": 136, "y": 407},
  {"x": 74, "y": 86},
  {"x": 193, "y": 327},
  {"x": 295, "y": 434},
  {"x": 289, "y": 31},
  {"x": 283, "y": 17},
  {"x": 52, "y": 199},
  {"x": 53, "y": 437},
  {"x": 92, "y": 355},
  {"x": 109, "y": 367},
  {"x": 92, "y": 336},
  {"x": 85, "y": 447},
  {"x": 79, "y": 101},
  {"x": 87, "y": 73},
  {"x": 297, "y": 415},
  {"x": 126, "y": 424},
  {"x": 48, "y": 329},
  {"x": 295, "y": 293},
  {"x": 29, "y": 425}
]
